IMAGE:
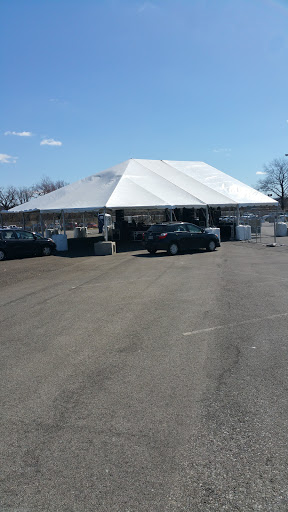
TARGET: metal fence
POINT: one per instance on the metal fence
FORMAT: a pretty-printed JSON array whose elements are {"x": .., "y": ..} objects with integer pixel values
[{"x": 265, "y": 230}]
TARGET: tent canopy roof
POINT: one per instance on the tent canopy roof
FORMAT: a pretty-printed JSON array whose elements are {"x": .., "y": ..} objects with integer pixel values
[{"x": 150, "y": 184}]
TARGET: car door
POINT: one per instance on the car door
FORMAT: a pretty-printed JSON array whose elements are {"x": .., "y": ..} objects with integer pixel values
[
  {"x": 182, "y": 237},
  {"x": 10, "y": 243},
  {"x": 27, "y": 243},
  {"x": 196, "y": 237}
]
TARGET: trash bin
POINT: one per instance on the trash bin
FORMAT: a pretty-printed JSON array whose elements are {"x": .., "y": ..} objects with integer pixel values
[{"x": 281, "y": 229}]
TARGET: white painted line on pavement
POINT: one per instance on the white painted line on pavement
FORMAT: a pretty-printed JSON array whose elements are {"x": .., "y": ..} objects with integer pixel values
[{"x": 245, "y": 322}]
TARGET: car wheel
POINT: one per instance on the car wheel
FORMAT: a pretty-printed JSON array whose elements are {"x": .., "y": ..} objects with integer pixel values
[
  {"x": 46, "y": 251},
  {"x": 173, "y": 249},
  {"x": 211, "y": 246},
  {"x": 2, "y": 255},
  {"x": 152, "y": 251}
]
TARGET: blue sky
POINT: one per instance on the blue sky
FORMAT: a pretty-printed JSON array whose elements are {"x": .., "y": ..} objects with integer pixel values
[{"x": 88, "y": 84}]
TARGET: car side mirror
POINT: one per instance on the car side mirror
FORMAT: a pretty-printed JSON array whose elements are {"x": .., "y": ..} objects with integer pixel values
[{"x": 202, "y": 230}]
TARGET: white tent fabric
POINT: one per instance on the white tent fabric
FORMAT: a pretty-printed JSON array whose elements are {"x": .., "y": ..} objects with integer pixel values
[{"x": 150, "y": 184}]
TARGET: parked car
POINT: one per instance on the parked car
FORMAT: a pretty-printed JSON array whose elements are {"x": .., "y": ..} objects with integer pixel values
[
  {"x": 70, "y": 225},
  {"x": 18, "y": 242},
  {"x": 227, "y": 220},
  {"x": 92, "y": 225},
  {"x": 178, "y": 236}
]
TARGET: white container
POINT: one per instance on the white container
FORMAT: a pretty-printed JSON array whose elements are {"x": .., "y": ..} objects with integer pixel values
[
  {"x": 243, "y": 232},
  {"x": 61, "y": 242},
  {"x": 104, "y": 248},
  {"x": 80, "y": 232},
  {"x": 248, "y": 232},
  {"x": 281, "y": 229},
  {"x": 240, "y": 232},
  {"x": 215, "y": 231}
]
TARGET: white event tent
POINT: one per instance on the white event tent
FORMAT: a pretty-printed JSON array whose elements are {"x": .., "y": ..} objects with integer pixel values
[{"x": 138, "y": 183}]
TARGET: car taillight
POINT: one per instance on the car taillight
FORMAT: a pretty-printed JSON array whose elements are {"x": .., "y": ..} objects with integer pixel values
[
  {"x": 163, "y": 235},
  {"x": 143, "y": 236}
]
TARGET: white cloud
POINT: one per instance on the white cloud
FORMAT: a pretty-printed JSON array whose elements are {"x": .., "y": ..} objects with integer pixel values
[
  {"x": 20, "y": 134},
  {"x": 261, "y": 172},
  {"x": 50, "y": 142},
  {"x": 7, "y": 159},
  {"x": 145, "y": 6}
]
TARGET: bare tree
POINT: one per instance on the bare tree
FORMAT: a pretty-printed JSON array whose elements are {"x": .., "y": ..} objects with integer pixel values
[
  {"x": 47, "y": 185},
  {"x": 276, "y": 180},
  {"x": 8, "y": 198},
  {"x": 12, "y": 196},
  {"x": 24, "y": 194}
]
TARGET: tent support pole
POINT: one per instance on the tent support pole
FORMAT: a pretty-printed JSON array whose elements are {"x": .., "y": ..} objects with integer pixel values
[
  {"x": 171, "y": 214},
  {"x": 63, "y": 221},
  {"x": 207, "y": 217},
  {"x": 276, "y": 222},
  {"x": 23, "y": 220},
  {"x": 2, "y": 220},
  {"x": 41, "y": 224},
  {"x": 237, "y": 215},
  {"x": 105, "y": 226}
]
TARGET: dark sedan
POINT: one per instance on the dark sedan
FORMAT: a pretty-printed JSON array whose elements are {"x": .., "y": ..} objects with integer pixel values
[
  {"x": 16, "y": 243},
  {"x": 178, "y": 236}
]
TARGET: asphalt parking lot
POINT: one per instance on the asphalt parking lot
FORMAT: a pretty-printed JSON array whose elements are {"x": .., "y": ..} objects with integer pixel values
[{"x": 136, "y": 383}]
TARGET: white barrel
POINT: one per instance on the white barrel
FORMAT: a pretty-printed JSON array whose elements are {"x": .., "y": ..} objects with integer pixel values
[
  {"x": 80, "y": 232},
  {"x": 215, "y": 231},
  {"x": 240, "y": 232},
  {"x": 247, "y": 232},
  {"x": 281, "y": 229},
  {"x": 61, "y": 242}
]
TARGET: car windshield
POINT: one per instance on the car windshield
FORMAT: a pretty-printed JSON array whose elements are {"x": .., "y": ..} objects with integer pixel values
[{"x": 194, "y": 229}]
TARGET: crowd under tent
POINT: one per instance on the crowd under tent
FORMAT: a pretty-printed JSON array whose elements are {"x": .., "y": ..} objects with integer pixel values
[{"x": 139, "y": 184}]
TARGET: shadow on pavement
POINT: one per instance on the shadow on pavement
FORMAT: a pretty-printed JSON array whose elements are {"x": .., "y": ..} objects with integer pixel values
[
  {"x": 84, "y": 247},
  {"x": 146, "y": 254},
  {"x": 80, "y": 247},
  {"x": 161, "y": 254}
]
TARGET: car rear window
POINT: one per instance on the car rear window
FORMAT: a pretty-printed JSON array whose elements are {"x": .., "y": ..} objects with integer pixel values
[
  {"x": 7, "y": 235},
  {"x": 162, "y": 228}
]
